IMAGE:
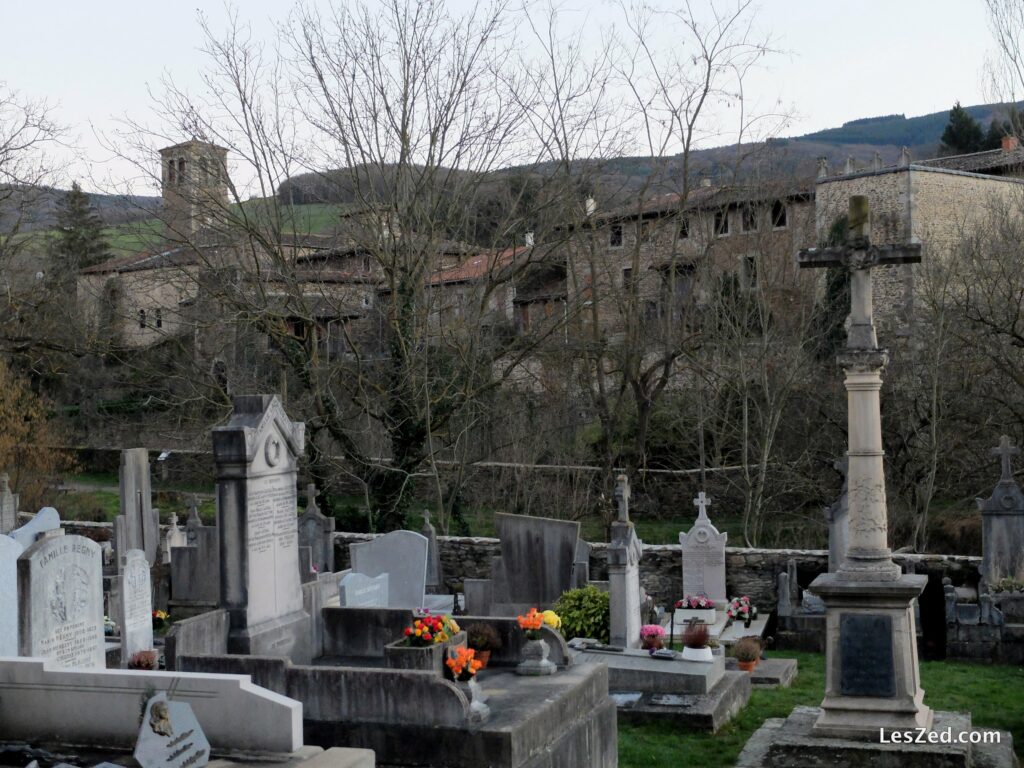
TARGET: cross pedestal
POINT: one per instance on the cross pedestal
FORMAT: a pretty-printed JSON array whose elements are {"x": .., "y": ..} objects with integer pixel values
[{"x": 872, "y": 678}]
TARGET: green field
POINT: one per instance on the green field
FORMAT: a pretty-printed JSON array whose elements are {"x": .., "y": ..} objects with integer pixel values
[{"x": 993, "y": 694}]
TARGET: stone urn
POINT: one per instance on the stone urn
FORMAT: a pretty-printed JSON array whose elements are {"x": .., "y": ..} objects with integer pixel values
[{"x": 535, "y": 659}]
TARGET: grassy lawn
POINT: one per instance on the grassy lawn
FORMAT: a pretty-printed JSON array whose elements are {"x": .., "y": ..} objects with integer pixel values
[{"x": 993, "y": 694}]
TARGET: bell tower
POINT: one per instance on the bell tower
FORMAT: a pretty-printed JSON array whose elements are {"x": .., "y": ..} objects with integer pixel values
[{"x": 194, "y": 183}]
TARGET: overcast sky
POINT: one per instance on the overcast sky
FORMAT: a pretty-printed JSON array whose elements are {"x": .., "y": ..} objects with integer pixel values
[{"x": 96, "y": 61}]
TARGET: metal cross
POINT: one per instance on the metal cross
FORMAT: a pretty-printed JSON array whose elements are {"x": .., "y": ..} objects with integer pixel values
[
  {"x": 702, "y": 502},
  {"x": 622, "y": 494},
  {"x": 859, "y": 255},
  {"x": 1006, "y": 451}
]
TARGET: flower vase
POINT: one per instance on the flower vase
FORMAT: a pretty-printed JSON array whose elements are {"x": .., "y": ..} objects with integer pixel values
[
  {"x": 478, "y": 709},
  {"x": 746, "y": 623},
  {"x": 535, "y": 659},
  {"x": 697, "y": 654}
]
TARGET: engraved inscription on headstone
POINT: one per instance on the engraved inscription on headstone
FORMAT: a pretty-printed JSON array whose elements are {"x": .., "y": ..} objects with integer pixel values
[
  {"x": 866, "y": 655},
  {"x": 703, "y": 553},
  {"x": 136, "y": 611},
  {"x": 356, "y": 590},
  {"x": 170, "y": 736},
  {"x": 60, "y": 584}
]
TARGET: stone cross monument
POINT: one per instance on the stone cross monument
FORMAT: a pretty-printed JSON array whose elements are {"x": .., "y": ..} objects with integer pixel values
[
  {"x": 622, "y": 495},
  {"x": 1002, "y": 523},
  {"x": 872, "y": 677},
  {"x": 624, "y": 553}
]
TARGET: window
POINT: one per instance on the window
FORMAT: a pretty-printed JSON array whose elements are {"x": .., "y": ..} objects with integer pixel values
[
  {"x": 170, "y": 171},
  {"x": 684, "y": 229},
  {"x": 750, "y": 219},
  {"x": 627, "y": 277},
  {"x": 159, "y": 319},
  {"x": 181, "y": 170},
  {"x": 523, "y": 317},
  {"x": 615, "y": 236},
  {"x": 722, "y": 222},
  {"x": 779, "y": 214},
  {"x": 142, "y": 318},
  {"x": 676, "y": 291},
  {"x": 748, "y": 272},
  {"x": 644, "y": 231}
]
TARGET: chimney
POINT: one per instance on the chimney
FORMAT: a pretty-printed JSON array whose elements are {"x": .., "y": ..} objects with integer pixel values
[
  {"x": 904, "y": 157},
  {"x": 705, "y": 181},
  {"x": 822, "y": 167},
  {"x": 590, "y": 206},
  {"x": 528, "y": 239},
  {"x": 1010, "y": 143},
  {"x": 849, "y": 167}
]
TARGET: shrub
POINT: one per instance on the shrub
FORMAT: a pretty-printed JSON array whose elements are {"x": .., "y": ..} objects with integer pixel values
[
  {"x": 585, "y": 613},
  {"x": 483, "y": 637},
  {"x": 747, "y": 649}
]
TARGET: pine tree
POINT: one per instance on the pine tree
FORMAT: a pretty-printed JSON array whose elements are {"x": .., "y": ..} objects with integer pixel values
[
  {"x": 963, "y": 133},
  {"x": 80, "y": 242}
]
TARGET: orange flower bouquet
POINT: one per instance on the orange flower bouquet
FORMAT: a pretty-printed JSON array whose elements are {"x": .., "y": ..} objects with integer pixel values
[
  {"x": 463, "y": 663},
  {"x": 531, "y": 623}
]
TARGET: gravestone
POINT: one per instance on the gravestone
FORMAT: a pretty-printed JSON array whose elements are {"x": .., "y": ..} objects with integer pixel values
[
  {"x": 624, "y": 554},
  {"x": 536, "y": 562},
  {"x": 316, "y": 531},
  {"x": 8, "y": 505},
  {"x": 135, "y": 605},
  {"x": 170, "y": 736},
  {"x": 1002, "y": 523},
  {"x": 195, "y": 568},
  {"x": 60, "y": 598},
  {"x": 402, "y": 555},
  {"x": 10, "y": 550},
  {"x": 837, "y": 515},
  {"x": 138, "y": 526},
  {"x": 703, "y": 550},
  {"x": 45, "y": 520},
  {"x": 357, "y": 590},
  {"x": 434, "y": 578},
  {"x": 174, "y": 537},
  {"x": 581, "y": 565},
  {"x": 256, "y": 456}
]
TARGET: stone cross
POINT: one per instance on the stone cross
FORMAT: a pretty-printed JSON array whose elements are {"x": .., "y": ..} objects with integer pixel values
[
  {"x": 868, "y": 556},
  {"x": 702, "y": 502},
  {"x": 622, "y": 495},
  {"x": 311, "y": 498},
  {"x": 1006, "y": 451}
]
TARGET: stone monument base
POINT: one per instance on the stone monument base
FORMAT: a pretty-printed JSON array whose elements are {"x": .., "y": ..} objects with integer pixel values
[
  {"x": 289, "y": 636},
  {"x": 792, "y": 743}
]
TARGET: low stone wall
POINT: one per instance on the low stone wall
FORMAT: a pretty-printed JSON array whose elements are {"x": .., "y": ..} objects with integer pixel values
[{"x": 750, "y": 572}]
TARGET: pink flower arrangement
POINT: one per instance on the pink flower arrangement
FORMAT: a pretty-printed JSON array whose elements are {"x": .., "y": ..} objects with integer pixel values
[
  {"x": 651, "y": 630},
  {"x": 741, "y": 609},
  {"x": 696, "y": 603}
]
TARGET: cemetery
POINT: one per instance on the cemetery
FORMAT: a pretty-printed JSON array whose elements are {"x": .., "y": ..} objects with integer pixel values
[{"x": 269, "y": 636}]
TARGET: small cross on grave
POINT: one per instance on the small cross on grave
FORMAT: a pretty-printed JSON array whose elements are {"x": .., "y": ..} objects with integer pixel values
[
  {"x": 311, "y": 498},
  {"x": 622, "y": 494},
  {"x": 702, "y": 502},
  {"x": 1006, "y": 451}
]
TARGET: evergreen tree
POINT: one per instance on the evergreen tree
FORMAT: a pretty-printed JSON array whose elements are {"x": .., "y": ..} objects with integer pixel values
[
  {"x": 963, "y": 133},
  {"x": 80, "y": 242}
]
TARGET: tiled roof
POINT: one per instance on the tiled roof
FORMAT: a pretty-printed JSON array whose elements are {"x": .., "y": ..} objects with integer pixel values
[
  {"x": 707, "y": 197},
  {"x": 979, "y": 162},
  {"x": 477, "y": 266},
  {"x": 173, "y": 257}
]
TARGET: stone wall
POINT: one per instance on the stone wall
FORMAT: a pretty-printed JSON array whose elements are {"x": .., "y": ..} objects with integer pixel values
[{"x": 748, "y": 571}]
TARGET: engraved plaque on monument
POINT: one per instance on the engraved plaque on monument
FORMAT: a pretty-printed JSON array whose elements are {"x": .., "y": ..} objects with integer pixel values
[
  {"x": 170, "y": 736},
  {"x": 866, "y": 655},
  {"x": 136, "y": 606},
  {"x": 60, "y": 588},
  {"x": 703, "y": 551},
  {"x": 256, "y": 455},
  {"x": 356, "y": 590}
]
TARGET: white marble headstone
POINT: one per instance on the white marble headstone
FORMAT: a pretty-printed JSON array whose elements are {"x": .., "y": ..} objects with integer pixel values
[
  {"x": 136, "y": 606},
  {"x": 703, "y": 550},
  {"x": 46, "y": 519},
  {"x": 170, "y": 736},
  {"x": 9, "y": 552},
  {"x": 403, "y": 556},
  {"x": 60, "y": 593},
  {"x": 356, "y": 590}
]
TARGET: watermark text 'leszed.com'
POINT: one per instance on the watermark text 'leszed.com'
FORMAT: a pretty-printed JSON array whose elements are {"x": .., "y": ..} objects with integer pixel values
[{"x": 942, "y": 736}]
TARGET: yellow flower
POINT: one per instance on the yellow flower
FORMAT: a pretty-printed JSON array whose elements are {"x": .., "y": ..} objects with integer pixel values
[
  {"x": 454, "y": 626},
  {"x": 551, "y": 619}
]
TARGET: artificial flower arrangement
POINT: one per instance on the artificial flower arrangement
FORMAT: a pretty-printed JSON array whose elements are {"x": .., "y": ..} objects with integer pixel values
[
  {"x": 695, "y": 603},
  {"x": 652, "y": 637},
  {"x": 160, "y": 619},
  {"x": 430, "y": 629},
  {"x": 741, "y": 609},
  {"x": 534, "y": 620},
  {"x": 463, "y": 663}
]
